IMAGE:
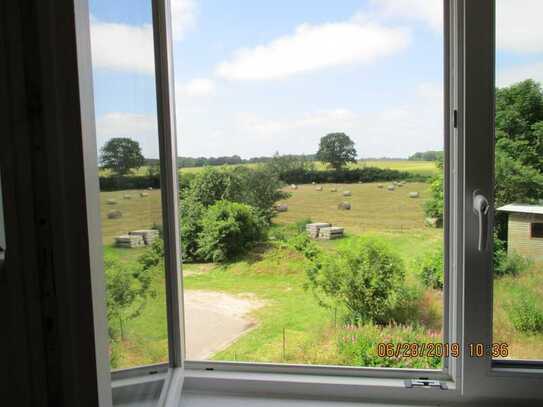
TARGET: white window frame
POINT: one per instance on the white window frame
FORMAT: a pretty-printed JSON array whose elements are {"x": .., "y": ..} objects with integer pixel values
[{"x": 467, "y": 317}]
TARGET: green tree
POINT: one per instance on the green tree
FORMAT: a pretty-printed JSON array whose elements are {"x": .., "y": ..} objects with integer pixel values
[
  {"x": 127, "y": 290},
  {"x": 121, "y": 155},
  {"x": 336, "y": 149}
]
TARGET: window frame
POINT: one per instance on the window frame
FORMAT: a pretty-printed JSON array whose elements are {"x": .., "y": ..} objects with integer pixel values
[
  {"x": 483, "y": 378},
  {"x": 532, "y": 224},
  {"x": 466, "y": 73}
]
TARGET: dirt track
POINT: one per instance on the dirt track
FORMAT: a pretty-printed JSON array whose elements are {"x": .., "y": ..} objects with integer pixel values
[{"x": 213, "y": 320}]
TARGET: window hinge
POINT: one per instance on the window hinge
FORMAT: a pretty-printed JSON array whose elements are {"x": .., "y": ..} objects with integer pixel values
[
  {"x": 455, "y": 118},
  {"x": 425, "y": 383}
]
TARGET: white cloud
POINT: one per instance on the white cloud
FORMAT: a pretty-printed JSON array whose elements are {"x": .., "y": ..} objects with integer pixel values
[
  {"x": 313, "y": 47},
  {"x": 427, "y": 11},
  {"x": 183, "y": 14},
  {"x": 139, "y": 127},
  {"x": 509, "y": 76},
  {"x": 518, "y": 25},
  {"x": 197, "y": 87},
  {"x": 122, "y": 47},
  {"x": 130, "y": 48}
]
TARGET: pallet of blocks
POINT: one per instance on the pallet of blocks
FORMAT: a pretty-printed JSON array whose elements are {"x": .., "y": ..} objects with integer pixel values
[
  {"x": 129, "y": 241},
  {"x": 148, "y": 235},
  {"x": 331, "y": 233},
  {"x": 313, "y": 229}
]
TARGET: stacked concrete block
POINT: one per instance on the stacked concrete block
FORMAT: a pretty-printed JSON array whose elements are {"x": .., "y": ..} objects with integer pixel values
[
  {"x": 148, "y": 235},
  {"x": 129, "y": 241},
  {"x": 313, "y": 229},
  {"x": 331, "y": 233}
]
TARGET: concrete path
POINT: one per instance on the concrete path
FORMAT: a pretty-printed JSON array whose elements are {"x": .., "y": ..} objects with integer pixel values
[{"x": 213, "y": 320}]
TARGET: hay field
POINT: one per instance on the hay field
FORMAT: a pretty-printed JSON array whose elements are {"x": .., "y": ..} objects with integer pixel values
[
  {"x": 373, "y": 209},
  {"x": 137, "y": 212}
]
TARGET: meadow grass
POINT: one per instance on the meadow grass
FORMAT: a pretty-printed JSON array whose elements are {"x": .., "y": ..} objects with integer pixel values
[{"x": 276, "y": 275}]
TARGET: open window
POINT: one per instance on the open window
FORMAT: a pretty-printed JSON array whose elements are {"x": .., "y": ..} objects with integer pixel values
[{"x": 232, "y": 268}]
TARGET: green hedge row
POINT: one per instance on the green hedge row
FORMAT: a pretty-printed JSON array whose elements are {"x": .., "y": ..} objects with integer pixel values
[
  {"x": 121, "y": 182},
  {"x": 366, "y": 174},
  {"x": 297, "y": 176}
]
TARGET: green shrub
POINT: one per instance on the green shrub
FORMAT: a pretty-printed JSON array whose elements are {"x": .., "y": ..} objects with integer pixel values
[
  {"x": 303, "y": 244},
  {"x": 127, "y": 289},
  {"x": 359, "y": 345},
  {"x": 228, "y": 229},
  {"x": 365, "y": 277},
  {"x": 507, "y": 263},
  {"x": 526, "y": 311},
  {"x": 190, "y": 227},
  {"x": 430, "y": 269}
]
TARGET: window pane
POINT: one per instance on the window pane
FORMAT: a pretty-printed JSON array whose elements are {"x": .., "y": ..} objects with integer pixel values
[
  {"x": 294, "y": 256},
  {"x": 130, "y": 195},
  {"x": 518, "y": 243}
]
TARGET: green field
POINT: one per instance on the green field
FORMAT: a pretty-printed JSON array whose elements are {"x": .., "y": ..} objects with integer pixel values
[
  {"x": 427, "y": 168},
  {"x": 275, "y": 274}
]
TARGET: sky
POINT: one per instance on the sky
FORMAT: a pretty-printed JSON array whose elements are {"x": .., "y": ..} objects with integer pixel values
[{"x": 257, "y": 77}]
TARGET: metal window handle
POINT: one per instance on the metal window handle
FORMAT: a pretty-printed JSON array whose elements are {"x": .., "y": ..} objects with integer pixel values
[{"x": 481, "y": 208}]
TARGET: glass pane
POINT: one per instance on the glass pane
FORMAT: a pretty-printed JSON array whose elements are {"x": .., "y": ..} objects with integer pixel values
[
  {"x": 518, "y": 241},
  {"x": 130, "y": 196},
  {"x": 311, "y": 147}
]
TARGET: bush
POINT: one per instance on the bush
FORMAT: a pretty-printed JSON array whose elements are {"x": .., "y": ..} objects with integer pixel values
[
  {"x": 507, "y": 263},
  {"x": 430, "y": 269},
  {"x": 190, "y": 227},
  {"x": 526, "y": 312},
  {"x": 303, "y": 244},
  {"x": 365, "y": 277},
  {"x": 359, "y": 346},
  {"x": 228, "y": 229}
]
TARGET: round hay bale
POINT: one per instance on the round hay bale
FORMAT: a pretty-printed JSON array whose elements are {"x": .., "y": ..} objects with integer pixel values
[
  {"x": 111, "y": 202},
  {"x": 413, "y": 195},
  {"x": 344, "y": 206},
  {"x": 294, "y": 186},
  {"x": 333, "y": 190},
  {"x": 319, "y": 188},
  {"x": 347, "y": 193},
  {"x": 380, "y": 186},
  {"x": 313, "y": 183},
  {"x": 144, "y": 194},
  {"x": 114, "y": 214},
  {"x": 391, "y": 187},
  {"x": 281, "y": 208},
  {"x": 126, "y": 196},
  {"x": 150, "y": 188}
]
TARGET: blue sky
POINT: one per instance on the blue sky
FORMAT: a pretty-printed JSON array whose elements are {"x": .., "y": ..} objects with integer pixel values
[{"x": 257, "y": 77}]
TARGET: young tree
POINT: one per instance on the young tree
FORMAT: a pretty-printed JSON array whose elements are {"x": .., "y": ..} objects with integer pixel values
[
  {"x": 121, "y": 155},
  {"x": 336, "y": 149}
]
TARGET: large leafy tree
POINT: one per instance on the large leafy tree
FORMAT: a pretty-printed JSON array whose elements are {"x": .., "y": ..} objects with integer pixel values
[
  {"x": 121, "y": 155},
  {"x": 336, "y": 149},
  {"x": 519, "y": 151}
]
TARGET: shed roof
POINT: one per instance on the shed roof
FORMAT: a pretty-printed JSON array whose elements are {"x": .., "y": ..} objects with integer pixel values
[{"x": 522, "y": 208}]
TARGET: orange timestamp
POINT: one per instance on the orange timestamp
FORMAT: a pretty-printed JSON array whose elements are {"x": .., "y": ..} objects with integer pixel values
[{"x": 440, "y": 350}]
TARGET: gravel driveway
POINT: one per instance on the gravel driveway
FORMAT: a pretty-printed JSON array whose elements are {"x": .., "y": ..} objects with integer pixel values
[{"x": 213, "y": 320}]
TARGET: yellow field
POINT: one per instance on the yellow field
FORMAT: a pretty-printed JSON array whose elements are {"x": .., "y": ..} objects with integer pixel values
[
  {"x": 137, "y": 212},
  {"x": 415, "y": 167},
  {"x": 372, "y": 209}
]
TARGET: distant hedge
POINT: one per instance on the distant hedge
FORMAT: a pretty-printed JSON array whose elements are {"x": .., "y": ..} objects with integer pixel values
[
  {"x": 121, "y": 182},
  {"x": 295, "y": 176},
  {"x": 366, "y": 174}
]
